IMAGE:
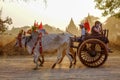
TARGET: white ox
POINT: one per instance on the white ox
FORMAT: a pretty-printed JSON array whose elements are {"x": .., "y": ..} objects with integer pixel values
[{"x": 50, "y": 43}]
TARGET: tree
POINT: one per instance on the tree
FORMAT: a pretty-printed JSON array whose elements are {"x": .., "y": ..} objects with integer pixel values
[
  {"x": 109, "y": 7},
  {"x": 3, "y": 23},
  {"x": 9, "y": 20}
]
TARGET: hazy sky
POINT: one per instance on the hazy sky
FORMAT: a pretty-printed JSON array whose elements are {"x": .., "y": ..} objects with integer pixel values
[{"x": 57, "y": 13}]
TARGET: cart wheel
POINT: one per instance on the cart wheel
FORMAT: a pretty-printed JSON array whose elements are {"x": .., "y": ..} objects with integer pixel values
[{"x": 92, "y": 53}]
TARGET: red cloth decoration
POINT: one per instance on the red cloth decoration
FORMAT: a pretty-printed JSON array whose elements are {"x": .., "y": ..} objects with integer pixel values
[
  {"x": 40, "y": 42},
  {"x": 40, "y": 26},
  {"x": 87, "y": 25},
  {"x": 39, "y": 39},
  {"x": 19, "y": 39},
  {"x": 35, "y": 24}
]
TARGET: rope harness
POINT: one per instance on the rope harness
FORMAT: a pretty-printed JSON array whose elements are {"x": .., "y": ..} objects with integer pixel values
[
  {"x": 19, "y": 39},
  {"x": 39, "y": 39}
]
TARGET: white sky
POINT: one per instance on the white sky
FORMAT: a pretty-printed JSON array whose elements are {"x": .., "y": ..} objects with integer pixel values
[{"x": 57, "y": 13}]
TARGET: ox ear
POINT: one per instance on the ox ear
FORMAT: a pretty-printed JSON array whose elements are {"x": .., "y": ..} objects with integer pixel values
[{"x": 24, "y": 33}]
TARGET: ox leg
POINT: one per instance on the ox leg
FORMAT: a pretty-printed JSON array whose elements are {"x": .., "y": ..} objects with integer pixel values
[
  {"x": 62, "y": 56},
  {"x": 53, "y": 65},
  {"x": 42, "y": 61},
  {"x": 74, "y": 55},
  {"x": 36, "y": 61},
  {"x": 68, "y": 53},
  {"x": 75, "y": 58},
  {"x": 59, "y": 58}
]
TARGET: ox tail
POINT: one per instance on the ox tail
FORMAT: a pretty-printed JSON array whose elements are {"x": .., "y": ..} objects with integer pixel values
[{"x": 71, "y": 56}]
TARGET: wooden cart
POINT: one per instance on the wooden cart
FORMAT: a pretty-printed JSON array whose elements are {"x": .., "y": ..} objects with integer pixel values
[{"x": 91, "y": 51}]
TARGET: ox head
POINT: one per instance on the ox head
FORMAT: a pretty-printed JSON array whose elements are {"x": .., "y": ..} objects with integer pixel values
[
  {"x": 20, "y": 39},
  {"x": 43, "y": 31}
]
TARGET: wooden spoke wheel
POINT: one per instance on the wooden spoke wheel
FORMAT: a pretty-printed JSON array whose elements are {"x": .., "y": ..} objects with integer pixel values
[{"x": 92, "y": 53}]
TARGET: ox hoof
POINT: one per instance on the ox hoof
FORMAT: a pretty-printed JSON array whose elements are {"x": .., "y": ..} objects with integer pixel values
[
  {"x": 70, "y": 66},
  {"x": 53, "y": 66},
  {"x": 35, "y": 68},
  {"x": 40, "y": 65},
  {"x": 34, "y": 61}
]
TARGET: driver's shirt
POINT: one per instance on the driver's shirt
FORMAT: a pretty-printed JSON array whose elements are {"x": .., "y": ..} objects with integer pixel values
[{"x": 83, "y": 32}]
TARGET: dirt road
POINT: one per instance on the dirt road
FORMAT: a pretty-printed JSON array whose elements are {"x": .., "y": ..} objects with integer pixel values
[{"x": 21, "y": 68}]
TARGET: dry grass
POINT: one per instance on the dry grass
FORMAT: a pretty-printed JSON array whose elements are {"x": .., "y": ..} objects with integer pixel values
[{"x": 7, "y": 43}]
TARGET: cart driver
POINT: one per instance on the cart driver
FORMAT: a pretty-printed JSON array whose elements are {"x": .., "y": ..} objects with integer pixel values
[{"x": 83, "y": 31}]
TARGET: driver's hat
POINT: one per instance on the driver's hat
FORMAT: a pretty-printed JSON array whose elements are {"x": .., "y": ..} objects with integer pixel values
[{"x": 81, "y": 24}]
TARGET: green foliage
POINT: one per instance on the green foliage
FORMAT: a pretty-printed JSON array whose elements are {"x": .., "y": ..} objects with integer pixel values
[
  {"x": 34, "y": 28},
  {"x": 109, "y": 7},
  {"x": 3, "y": 26},
  {"x": 3, "y": 23}
]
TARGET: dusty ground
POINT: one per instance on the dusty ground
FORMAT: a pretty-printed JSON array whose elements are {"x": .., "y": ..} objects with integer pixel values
[{"x": 21, "y": 68}]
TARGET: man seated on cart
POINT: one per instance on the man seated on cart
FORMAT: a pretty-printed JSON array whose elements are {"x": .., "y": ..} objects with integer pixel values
[
  {"x": 83, "y": 31},
  {"x": 98, "y": 32},
  {"x": 80, "y": 38}
]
